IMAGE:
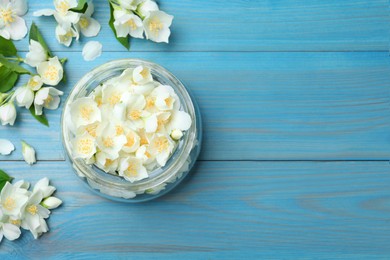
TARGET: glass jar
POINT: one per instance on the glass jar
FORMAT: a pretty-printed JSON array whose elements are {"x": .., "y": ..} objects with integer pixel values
[{"x": 160, "y": 180}]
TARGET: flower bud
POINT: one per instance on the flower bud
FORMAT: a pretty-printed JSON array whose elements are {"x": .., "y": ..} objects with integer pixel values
[
  {"x": 28, "y": 153},
  {"x": 176, "y": 134},
  {"x": 8, "y": 113},
  {"x": 51, "y": 202}
]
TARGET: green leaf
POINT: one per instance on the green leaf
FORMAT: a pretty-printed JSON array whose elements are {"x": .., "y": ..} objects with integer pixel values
[
  {"x": 8, "y": 79},
  {"x": 81, "y": 7},
  {"x": 13, "y": 66},
  {"x": 4, "y": 178},
  {"x": 37, "y": 36},
  {"x": 7, "y": 47},
  {"x": 123, "y": 40},
  {"x": 64, "y": 77},
  {"x": 41, "y": 119}
]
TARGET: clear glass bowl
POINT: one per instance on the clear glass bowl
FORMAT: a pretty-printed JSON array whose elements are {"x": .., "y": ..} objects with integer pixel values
[{"x": 161, "y": 180}]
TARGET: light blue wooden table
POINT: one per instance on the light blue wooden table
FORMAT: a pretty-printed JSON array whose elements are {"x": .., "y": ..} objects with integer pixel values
[{"x": 295, "y": 97}]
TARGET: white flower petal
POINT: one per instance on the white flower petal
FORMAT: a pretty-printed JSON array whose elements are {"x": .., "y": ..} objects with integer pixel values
[
  {"x": 92, "y": 27},
  {"x": 24, "y": 97},
  {"x": 6, "y": 147},
  {"x": 8, "y": 114},
  {"x": 151, "y": 124},
  {"x": 44, "y": 12},
  {"x": 180, "y": 120},
  {"x": 17, "y": 29},
  {"x": 92, "y": 50},
  {"x": 19, "y": 7},
  {"x": 11, "y": 232},
  {"x": 28, "y": 153}
]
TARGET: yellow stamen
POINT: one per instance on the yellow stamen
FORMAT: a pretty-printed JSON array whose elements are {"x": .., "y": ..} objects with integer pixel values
[
  {"x": 168, "y": 101},
  {"x": 119, "y": 130},
  {"x": 9, "y": 203},
  {"x": 114, "y": 99},
  {"x": 63, "y": 7},
  {"x": 131, "y": 171},
  {"x": 144, "y": 73},
  {"x": 150, "y": 102},
  {"x": 48, "y": 100},
  {"x": 130, "y": 140},
  {"x": 135, "y": 114},
  {"x": 132, "y": 24},
  {"x": 161, "y": 144},
  {"x": 91, "y": 129},
  {"x": 85, "y": 146},
  {"x": 15, "y": 222},
  {"x": 33, "y": 209},
  {"x": 109, "y": 162},
  {"x": 6, "y": 15},
  {"x": 86, "y": 112},
  {"x": 108, "y": 142},
  {"x": 51, "y": 73},
  {"x": 155, "y": 26},
  {"x": 83, "y": 22}
]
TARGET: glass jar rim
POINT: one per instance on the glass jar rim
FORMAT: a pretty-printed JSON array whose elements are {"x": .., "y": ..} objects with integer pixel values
[{"x": 181, "y": 153}]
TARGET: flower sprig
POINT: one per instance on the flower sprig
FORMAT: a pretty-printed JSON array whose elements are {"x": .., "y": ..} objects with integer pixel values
[
  {"x": 22, "y": 208},
  {"x": 134, "y": 18},
  {"x": 38, "y": 92},
  {"x": 73, "y": 17}
]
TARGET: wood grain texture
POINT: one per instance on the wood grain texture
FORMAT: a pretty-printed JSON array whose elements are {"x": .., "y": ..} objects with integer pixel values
[
  {"x": 226, "y": 209},
  {"x": 242, "y": 25},
  {"x": 261, "y": 106}
]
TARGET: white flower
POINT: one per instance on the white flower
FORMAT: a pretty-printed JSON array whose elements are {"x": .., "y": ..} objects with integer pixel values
[
  {"x": 165, "y": 98},
  {"x": 35, "y": 83},
  {"x": 128, "y": 24},
  {"x": 24, "y": 96},
  {"x": 84, "y": 111},
  {"x": 135, "y": 112},
  {"x": 129, "y": 4},
  {"x": 34, "y": 214},
  {"x": 132, "y": 141},
  {"x": 144, "y": 154},
  {"x": 142, "y": 75},
  {"x": 8, "y": 230},
  {"x": 156, "y": 26},
  {"x": 65, "y": 35},
  {"x": 162, "y": 146},
  {"x": 12, "y": 26},
  {"x": 51, "y": 202},
  {"x": 104, "y": 162},
  {"x": 47, "y": 97},
  {"x": 88, "y": 26},
  {"x": 146, "y": 7},
  {"x": 176, "y": 134},
  {"x": 157, "y": 122},
  {"x": 109, "y": 142},
  {"x": 92, "y": 50},
  {"x": 13, "y": 200},
  {"x": 43, "y": 186},
  {"x": 84, "y": 146},
  {"x": 6, "y": 147},
  {"x": 7, "y": 113},
  {"x": 112, "y": 94},
  {"x": 28, "y": 153},
  {"x": 36, "y": 54},
  {"x": 64, "y": 17},
  {"x": 131, "y": 169},
  {"x": 51, "y": 71}
]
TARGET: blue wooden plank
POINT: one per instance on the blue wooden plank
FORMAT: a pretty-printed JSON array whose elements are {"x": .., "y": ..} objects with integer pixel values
[
  {"x": 240, "y": 25},
  {"x": 314, "y": 210},
  {"x": 262, "y": 106}
]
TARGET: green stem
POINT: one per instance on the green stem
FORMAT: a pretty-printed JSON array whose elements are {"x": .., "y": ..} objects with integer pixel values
[
  {"x": 17, "y": 59},
  {"x": 63, "y": 60}
]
